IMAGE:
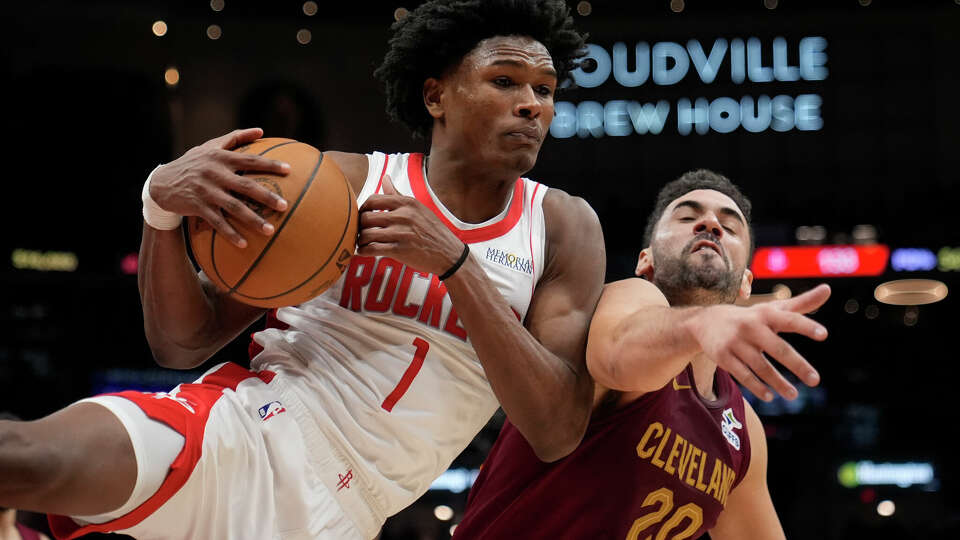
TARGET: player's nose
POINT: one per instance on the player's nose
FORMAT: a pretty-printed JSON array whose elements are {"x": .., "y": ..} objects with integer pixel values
[
  {"x": 708, "y": 222},
  {"x": 527, "y": 104}
]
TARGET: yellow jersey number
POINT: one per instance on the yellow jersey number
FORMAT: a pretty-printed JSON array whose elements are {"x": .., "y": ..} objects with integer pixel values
[{"x": 663, "y": 498}]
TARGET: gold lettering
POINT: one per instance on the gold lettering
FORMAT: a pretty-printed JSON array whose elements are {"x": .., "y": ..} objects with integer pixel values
[
  {"x": 724, "y": 483},
  {"x": 693, "y": 465},
  {"x": 685, "y": 459},
  {"x": 715, "y": 478},
  {"x": 703, "y": 464},
  {"x": 663, "y": 442},
  {"x": 646, "y": 453},
  {"x": 674, "y": 452}
]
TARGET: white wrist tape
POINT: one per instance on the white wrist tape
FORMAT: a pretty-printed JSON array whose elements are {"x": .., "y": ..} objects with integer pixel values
[{"x": 157, "y": 217}]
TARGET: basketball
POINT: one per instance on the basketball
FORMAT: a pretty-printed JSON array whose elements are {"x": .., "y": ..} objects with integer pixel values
[{"x": 313, "y": 239}]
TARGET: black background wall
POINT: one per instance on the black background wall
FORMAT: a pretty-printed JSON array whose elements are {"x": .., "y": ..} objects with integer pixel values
[{"x": 88, "y": 115}]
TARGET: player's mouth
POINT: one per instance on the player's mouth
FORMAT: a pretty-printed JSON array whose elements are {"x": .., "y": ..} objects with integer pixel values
[
  {"x": 527, "y": 134},
  {"x": 706, "y": 244}
]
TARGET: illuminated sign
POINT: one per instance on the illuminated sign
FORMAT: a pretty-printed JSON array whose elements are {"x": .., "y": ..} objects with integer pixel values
[
  {"x": 819, "y": 261},
  {"x": 455, "y": 480},
  {"x": 948, "y": 259},
  {"x": 129, "y": 264},
  {"x": 868, "y": 473},
  {"x": 667, "y": 63},
  {"x": 912, "y": 259},
  {"x": 57, "y": 261}
]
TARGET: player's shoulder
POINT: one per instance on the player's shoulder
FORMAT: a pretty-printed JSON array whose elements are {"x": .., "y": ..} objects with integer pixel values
[
  {"x": 354, "y": 166},
  {"x": 558, "y": 201},
  {"x": 756, "y": 439},
  {"x": 574, "y": 239},
  {"x": 754, "y": 424},
  {"x": 568, "y": 216},
  {"x": 634, "y": 292}
]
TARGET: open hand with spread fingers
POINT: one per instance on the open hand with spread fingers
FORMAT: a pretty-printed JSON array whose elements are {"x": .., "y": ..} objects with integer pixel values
[
  {"x": 743, "y": 340},
  {"x": 206, "y": 181}
]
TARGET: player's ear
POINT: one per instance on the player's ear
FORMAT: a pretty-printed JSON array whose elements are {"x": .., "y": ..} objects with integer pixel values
[
  {"x": 746, "y": 284},
  {"x": 645, "y": 265},
  {"x": 432, "y": 97}
]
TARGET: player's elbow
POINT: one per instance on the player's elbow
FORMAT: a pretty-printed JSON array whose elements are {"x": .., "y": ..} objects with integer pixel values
[
  {"x": 173, "y": 361},
  {"x": 561, "y": 437},
  {"x": 168, "y": 360},
  {"x": 608, "y": 358},
  {"x": 168, "y": 355},
  {"x": 605, "y": 367},
  {"x": 625, "y": 366},
  {"x": 600, "y": 368},
  {"x": 554, "y": 450}
]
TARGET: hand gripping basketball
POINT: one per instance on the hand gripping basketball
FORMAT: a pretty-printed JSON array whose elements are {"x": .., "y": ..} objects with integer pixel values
[
  {"x": 311, "y": 241},
  {"x": 203, "y": 182},
  {"x": 741, "y": 339}
]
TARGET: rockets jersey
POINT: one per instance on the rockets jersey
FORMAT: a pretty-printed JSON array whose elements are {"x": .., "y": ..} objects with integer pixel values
[
  {"x": 381, "y": 361},
  {"x": 659, "y": 467}
]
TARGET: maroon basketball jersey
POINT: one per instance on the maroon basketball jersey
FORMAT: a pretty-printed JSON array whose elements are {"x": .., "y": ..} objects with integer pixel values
[
  {"x": 26, "y": 533},
  {"x": 659, "y": 467}
]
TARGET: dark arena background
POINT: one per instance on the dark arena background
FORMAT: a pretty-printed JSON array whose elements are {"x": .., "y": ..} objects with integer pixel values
[{"x": 840, "y": 119}]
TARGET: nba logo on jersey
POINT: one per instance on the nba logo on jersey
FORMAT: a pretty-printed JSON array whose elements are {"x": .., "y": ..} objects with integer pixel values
[
  {"x": 271, "y": 409},
  {"x": 727, "y": 426}
]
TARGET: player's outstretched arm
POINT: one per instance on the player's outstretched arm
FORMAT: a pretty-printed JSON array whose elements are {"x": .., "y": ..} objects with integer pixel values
[
  {"x": 186, "y": 319},
  {"x": 538, "y": 375},
  {"x": 638, "y": 343},
  {"x": 749, "y": 512},
  {"x": 635, "y": 343}
]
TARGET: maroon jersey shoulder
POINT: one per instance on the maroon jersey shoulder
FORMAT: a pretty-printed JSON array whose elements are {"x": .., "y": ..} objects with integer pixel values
[{"x": 664, "y": 464}]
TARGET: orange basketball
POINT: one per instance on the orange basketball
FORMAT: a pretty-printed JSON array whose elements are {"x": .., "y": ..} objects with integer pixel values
[{"x": 312, "y": 240}]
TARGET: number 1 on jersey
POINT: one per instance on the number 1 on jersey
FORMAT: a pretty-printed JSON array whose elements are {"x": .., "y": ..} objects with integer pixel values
[{"x": 408, "y": 375}]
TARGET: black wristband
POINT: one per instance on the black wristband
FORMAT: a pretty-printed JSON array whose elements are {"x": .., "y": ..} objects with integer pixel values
[{"x": 456, "y": 266}]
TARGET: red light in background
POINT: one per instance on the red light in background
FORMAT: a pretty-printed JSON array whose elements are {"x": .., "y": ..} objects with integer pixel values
[
  {"x": 820, "y": 261},
  {"x": 129, "y": 263},
  {"x": 868, "y": 495}
]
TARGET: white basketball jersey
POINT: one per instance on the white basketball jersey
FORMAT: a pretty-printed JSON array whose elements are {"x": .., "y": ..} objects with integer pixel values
[{"x": 381, "y": 361}]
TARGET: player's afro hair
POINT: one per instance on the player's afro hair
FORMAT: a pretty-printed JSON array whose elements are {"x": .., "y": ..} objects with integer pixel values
[{"x": 439, "y": 33}]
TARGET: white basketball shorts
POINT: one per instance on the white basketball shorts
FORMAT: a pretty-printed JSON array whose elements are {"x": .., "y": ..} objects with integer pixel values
[{"x": 243, "y": 471}]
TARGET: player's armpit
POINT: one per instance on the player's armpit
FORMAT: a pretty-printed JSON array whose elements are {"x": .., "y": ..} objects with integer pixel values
[{"x": 749, "y": 512}]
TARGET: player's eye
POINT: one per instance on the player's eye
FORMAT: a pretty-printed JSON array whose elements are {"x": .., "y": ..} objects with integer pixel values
[{"x": 502, "y": 81}]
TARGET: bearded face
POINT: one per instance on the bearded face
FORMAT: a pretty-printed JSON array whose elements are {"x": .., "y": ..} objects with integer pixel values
[
  {"x": 700, "y": 249},
  {"x": 698, "y": 274}
]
